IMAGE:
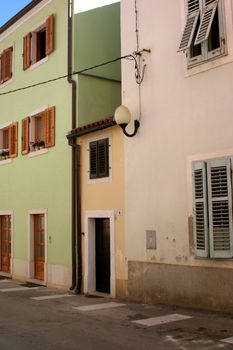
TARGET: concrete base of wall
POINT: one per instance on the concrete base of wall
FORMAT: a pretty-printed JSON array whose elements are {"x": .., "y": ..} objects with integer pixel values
[{"x": 186, "y": 286}]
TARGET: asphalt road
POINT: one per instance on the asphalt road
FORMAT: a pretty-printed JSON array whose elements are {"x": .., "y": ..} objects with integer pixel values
[{"x": 53, "y": 322}]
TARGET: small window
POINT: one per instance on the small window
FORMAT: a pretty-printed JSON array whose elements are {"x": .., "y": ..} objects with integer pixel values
[
  {"x": 38, "y": 131},
  {"x": 9, "y": 141},
  {"x": 212, "y": 205},
  {"x": 203, "y": 36},
  {"x": 99, "y": 158},
  {"x": 6, "y": 65},
  {"x": 39, "y": 43}
]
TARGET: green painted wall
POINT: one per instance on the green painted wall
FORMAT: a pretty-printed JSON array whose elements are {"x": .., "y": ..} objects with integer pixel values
[
  {"x": 43, "y": 181},
  {"x": 97, "y": 40}
]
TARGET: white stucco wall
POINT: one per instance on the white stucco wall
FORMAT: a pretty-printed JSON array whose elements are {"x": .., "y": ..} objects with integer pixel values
[{"x": 184, "y": 116}]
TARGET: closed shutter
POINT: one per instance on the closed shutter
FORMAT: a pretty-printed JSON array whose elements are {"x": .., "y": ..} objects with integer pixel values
[
  {"x": 7, "y": 64},
  {"x": 200, "y": 219},
  {"x": 103, "y": 161},
  {"x": 49, "y": 35},
  {"x": 206, "y": 21},
  {"x": 13, "y": 140},
  {"x": 220, "y": 207},
  {"x": 93, "y": 159},
  {"x": 190, "y": 26},
  {"x": 25, "y": 135},
  {"x": 27, "y": 51},
  {"x": 49, "y": 127}
]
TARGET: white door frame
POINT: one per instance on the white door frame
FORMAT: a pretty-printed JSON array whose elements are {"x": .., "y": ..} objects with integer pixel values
[
  {"x": 90, "y": 271},
  {"x": 10, "y": 213},
  {"x": 31, "y": 262}
]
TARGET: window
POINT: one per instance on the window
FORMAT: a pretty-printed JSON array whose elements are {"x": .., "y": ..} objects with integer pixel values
[
  {"x": 99, "y": 158},
  {"x": 39, "y": 43},
  {"x": 9, "y": 141},
  {"x": 38, "y": 131},
  {"x": 212, "y": 196},
  {"x": 6, "y": 65},
  {"x": 203, "y": 36}
]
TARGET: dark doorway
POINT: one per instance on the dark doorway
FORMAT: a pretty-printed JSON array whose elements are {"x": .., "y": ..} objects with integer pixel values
[{"x": 102, "y": 256}]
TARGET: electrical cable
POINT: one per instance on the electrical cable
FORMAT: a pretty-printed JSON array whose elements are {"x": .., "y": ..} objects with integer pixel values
[{"x": 130, "y": 56}]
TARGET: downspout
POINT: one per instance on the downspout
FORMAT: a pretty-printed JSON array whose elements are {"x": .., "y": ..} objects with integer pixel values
[{"x": 76, "y": 200}]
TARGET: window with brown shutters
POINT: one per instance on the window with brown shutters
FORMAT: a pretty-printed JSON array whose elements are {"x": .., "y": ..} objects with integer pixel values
[
  {"x": 99, "y": 158},
  {"x": 41, "y": 133},
  {"x": 9, "y": 141},
  {"x": 39, "y": 43},
  {"x": 6, "y": 65}
]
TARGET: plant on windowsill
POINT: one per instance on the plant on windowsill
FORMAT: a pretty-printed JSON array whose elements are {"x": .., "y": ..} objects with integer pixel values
[
  {"x": 36, "y": 145},
  {"x": 4, "y": 153}
]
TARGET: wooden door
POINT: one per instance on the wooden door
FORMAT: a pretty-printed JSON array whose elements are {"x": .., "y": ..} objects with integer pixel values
[
  {"x": 102, "y": 244},
  {"x": 39, "y": 246},
  {"x": 5, "y": 232}
]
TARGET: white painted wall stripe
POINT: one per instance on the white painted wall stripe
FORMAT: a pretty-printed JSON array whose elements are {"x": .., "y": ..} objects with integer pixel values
[
  {"x": 95, "y": 307},
  {"x": 17, "y": 289},
  {"x": 56, "y": 296},
  {"x": 227, "y": 340},
  {"x": 5, "y": 281},
  {"x": 154, "y": 321}
]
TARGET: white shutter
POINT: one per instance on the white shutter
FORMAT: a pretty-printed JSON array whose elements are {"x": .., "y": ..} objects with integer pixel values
[
  {"x": 220, "y": 207},
  {"x": 206, "y": 22},
  {"x": 191, "y": 22},
  {"x": 200, "y": 218}
]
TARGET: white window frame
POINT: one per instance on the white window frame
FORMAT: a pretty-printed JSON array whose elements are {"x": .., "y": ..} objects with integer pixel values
[
  {"x": 34, "y": 32},
  {"x": 102, "y": 179},
  {"x": 210, "y": 157},
  {"x": 2, "y": 127},
  {"x": 32, "y": 115}
]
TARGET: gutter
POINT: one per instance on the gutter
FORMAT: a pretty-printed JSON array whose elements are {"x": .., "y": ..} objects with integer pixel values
[{"x": 76, "y": 199}]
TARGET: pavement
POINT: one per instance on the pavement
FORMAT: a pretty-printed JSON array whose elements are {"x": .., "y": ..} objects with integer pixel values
[{"x": 35, "y": 317}]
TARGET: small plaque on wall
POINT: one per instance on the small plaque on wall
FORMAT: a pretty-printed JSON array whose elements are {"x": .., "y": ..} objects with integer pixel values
[{"x": 151, "y": 239}]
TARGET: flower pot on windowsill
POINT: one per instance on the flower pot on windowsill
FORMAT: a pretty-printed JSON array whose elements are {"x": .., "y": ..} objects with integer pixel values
[
  {"x": 4, "y": 153},
  {"x": 40, "y": 144}
]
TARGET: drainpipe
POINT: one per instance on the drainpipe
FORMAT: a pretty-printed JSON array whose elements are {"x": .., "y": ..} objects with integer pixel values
[{"x": 76, "y": 200}]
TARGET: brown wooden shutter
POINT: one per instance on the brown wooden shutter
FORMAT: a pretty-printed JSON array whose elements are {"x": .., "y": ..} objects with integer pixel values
[
  {"x": 25, "y": 135},
  {"x": 49, "y": 127},
  {"x": 7, "y": 64},
  {"x": 13, "y": 140},
  {"x": 1, "y": 69},
  {"x": 49, "y": 35},
  {"x": 27, "y": 51}
]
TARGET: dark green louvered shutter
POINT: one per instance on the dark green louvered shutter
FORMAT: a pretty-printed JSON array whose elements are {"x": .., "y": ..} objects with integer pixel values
[
  {"x": 200, "y": 219},
  {"x": 103, "y": 159},
  {"x": 220, "y": 207}
]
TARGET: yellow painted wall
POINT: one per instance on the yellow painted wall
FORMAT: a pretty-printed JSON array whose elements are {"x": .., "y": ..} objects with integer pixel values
[{"x": 106, "y": 195}]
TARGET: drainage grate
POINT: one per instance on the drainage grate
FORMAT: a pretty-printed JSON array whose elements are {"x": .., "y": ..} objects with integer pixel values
[{"x": 93, "y": 296}]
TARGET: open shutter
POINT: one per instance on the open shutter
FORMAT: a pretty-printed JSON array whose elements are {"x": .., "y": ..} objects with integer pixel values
[
  {"x": 1, "y": 69},
  {"x": 49, "y": 35},
  {"x": 49, "y": 127},
  {"x": 190, "y": 26},
  {"x": 25, "y": 135},
  {"x": 7, "y": 64},
  {"x": 27, "y": 51},
  {"x": 200, "y": 219},
  {"x": 206, "y": 21},
  {"x": 220, "y": 207},
  {"x": 13, "y": 140},
  {"x": 103, "y": 161},
  {"x": 93, "y": 149}
]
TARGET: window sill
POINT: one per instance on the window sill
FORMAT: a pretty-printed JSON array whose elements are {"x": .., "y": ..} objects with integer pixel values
[
  {"x": 38, "y": 153},
  {"x": 37, "y": 64},
  {"x": 5, "y": 161},
  {"x": 6, "y": 83},
  {"x": 100, "y": 180}
]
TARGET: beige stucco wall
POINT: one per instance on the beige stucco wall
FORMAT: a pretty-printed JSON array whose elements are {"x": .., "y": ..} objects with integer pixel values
[{"x": 106, "y": 195}]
